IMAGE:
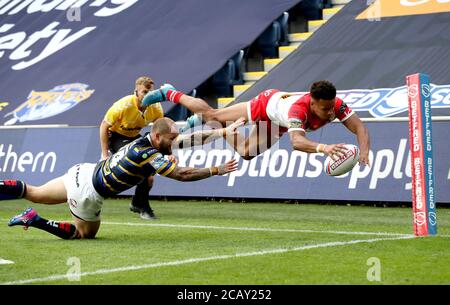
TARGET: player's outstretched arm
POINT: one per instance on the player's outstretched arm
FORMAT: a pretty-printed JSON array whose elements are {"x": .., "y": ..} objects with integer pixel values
[
  {"x": 355, "y": 125},
  {"x": 193, "y": 174},
  {"x": 302, "y": 143},
  {"x": 207, "y": 136}
]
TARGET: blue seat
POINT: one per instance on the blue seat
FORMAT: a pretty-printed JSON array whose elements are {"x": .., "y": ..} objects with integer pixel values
[
  {"x": 222, "y": 80},
  {"x": 312, "y": 9},
  {"x": 229, "y": 75},
  {"x": 283, "y": 20},
  {"x": 239, "y": 73},
  {"x": 327, "y": 3},
  {"x": 268, "y": 41}
]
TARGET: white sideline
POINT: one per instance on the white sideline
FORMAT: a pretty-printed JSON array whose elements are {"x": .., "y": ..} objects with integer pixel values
[
  {"x": 251, "y": 229},
  {"x": 5, "y": 261},
  {"x": 204, "y": 259}
]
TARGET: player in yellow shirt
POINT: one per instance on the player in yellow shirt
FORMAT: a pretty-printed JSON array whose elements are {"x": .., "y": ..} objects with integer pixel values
[{"x": 121, "y": 125}]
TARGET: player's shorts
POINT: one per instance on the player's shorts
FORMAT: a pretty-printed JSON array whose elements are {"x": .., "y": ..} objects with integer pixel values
[
  {"x": 116, "y": 141},
  {"x": 84, "y": 202},
  {"x": 257, "y": 109}
]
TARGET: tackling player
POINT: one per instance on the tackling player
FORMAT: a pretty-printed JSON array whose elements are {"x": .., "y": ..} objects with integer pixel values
[
  {"x": 276, "y": 112},
  {"x": 85, "y": 186}
]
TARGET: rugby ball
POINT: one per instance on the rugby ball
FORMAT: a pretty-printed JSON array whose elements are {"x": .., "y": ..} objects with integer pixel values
[{"x": 343, "y": 164}]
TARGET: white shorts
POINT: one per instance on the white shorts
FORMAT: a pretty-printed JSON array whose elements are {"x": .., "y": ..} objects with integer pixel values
[{"x": 84, "y": 202}]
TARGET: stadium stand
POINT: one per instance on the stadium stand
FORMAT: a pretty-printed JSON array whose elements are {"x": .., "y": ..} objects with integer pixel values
[
  {"x": 269, "y": 40},
  {"x": 229, "y": 75},
  {"x": 277, "y": 42},
  {"x": 283, "y": 20},
  {"x": 169, "y": 45},
  {"x": 343, "y": 52}
]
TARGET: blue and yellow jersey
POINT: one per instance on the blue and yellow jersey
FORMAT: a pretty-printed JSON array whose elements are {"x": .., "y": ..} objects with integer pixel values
[
  {"x": 129, "y": 166},
  {"x": 126, "y": 119}
]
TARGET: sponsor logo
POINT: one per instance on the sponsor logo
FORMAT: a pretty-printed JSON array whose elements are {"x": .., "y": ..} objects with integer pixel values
[
  {"x": 77, "y": 176},
  {"x": 13, "y": 161},
  {"x": 44, "y": 104},
  {"x": 157, "y": 162},
  {"x": 29, "y": 48},
  {"x": 393, "y": 8},
  {"x": 268, "y": 92},
  {"x": 413, "y": 90},
  {"x": 343, "y": 107},
  {"x": 389, "y": 165},
  {"x": 73, "y": 203},
  {"x": 123, "y": 127},
  {"x": 3, "y": 105},
  {"x": 426, "y": 90},
  {"x": 342, "y": 159},
  {"x": 432, "y": 218},
  {"x": 419, "y": 218},
  {"x": 387, "y": 102}
]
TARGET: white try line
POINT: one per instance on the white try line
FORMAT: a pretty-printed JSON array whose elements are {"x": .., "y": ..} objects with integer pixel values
[
  {"x": 202, "y": 259},
  {"x": 5, "y": 261},
  {"x": 167, "y": 225}
]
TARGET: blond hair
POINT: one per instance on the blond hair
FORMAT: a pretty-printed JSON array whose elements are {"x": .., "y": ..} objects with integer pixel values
[{"x": 146, "y": 81}]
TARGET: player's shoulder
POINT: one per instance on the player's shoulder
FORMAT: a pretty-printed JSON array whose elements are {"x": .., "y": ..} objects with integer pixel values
[
  {"x": 126, "y": 101},
  {"x": 338, "y": 101},
  {"x": 302, "y": 102},
  {"x": 144, "y": 145},
  {"x": 155, "y": 106},
  {"x": 154, "y": 111},
  {"x": 340, "y": 105}
]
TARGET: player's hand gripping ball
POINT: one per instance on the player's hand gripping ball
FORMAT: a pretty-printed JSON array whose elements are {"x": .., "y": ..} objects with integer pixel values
[{"x": 344, "y": 164}]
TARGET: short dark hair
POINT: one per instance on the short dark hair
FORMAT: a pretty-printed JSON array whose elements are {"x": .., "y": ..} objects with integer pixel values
[
  {"x": 164, "y": 126},
  {"x": 323, "y": 90}
]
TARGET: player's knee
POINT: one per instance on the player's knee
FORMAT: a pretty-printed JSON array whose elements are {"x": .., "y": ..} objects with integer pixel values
[
  {"x": 150, "y": 181},
  {"x": 87, "y": 235},
  {"x": 247, "y": 157},
  {"x": 33, "y": 194}
]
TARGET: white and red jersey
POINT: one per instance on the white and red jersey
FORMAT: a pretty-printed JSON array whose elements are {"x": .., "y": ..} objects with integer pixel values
[{"x": 291, "y": 110}]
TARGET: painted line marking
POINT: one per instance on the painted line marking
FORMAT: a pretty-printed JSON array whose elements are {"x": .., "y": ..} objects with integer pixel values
[
  {"x": 204, "y": 259},
  {"x": 5, "y": 261},
  {"x": 250, "y": 229},
  {"x": 168, "y": 225}
]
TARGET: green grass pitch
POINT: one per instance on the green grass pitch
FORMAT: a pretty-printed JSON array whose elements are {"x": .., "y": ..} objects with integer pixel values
[{"x": 206, "y": 242}]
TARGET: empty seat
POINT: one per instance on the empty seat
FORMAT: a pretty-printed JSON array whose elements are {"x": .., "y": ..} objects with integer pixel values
[
  {"x": 283, "y": 20},
  {"x": 239, "y": 73},
  {"x": 222, "y": 80},
  {"x": 268, "y": 41},
  {"x": 312, "y": 9},
  {"x": 229, "y": 75}
]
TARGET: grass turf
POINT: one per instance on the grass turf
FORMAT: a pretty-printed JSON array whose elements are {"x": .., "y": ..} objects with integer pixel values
[{"x": 199, "y": 242}]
